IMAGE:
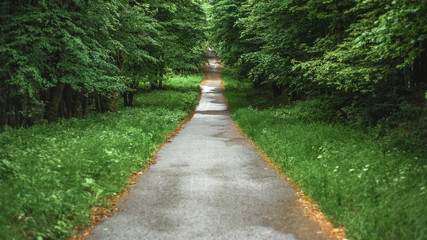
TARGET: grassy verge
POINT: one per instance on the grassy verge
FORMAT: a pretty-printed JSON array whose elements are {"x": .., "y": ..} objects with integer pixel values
[
  {"x": 52, "y": 175},
  {"x": 375, "y": 192}
]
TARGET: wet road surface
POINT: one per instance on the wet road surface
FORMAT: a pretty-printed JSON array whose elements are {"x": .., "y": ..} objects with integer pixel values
[{"x": 209, "y": 183}]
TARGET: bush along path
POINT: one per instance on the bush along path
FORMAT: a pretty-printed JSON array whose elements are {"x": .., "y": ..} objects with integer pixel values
[
  {"x": 209, "y": 182},
  {"x": 376, "y": 192},
  {"x": 52, "y": 175}
]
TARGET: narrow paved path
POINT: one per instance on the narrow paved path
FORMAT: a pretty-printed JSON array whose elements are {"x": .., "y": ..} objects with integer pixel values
[{"x": 209, "y": 183}]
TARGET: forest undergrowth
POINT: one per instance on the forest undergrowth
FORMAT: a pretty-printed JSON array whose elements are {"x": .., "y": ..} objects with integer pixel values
[
  {"x": 374, "y": 186},
  {"x": 52, "y": 175}
]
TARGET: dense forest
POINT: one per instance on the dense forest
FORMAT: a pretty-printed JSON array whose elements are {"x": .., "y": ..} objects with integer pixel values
[
  {"x": 367, "y": 60},
  {"x": 61, "y": 59},
  {"x": 334, "y": 92}
]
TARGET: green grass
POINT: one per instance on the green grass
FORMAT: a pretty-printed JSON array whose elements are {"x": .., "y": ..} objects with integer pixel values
[
  {"x": 51, "y": 175},
  {"x": 375, "y": 192},
  {"x": 184, "y": 83}
]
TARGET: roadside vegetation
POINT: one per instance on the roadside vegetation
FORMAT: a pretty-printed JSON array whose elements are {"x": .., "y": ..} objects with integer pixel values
[
  {"x": 371, "y": 183},
  {"x": 335, "y": 92},
  {"x": 63, "y": 59},
  {"x": 52, "y": 175}
]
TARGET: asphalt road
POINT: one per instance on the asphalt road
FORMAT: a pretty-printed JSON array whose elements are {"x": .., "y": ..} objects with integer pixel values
[{"x": 209, "y": 183}]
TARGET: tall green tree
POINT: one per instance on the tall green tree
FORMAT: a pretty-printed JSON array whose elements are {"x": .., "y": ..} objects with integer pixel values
[
  {"x": 369, "y": 54},
  {"x": 60, "y": 57},
  {"x": 51, "y": 51},
  {"x": 183, "y": 22},
  {"x": 226, "y": 30},
  {"x": 290, "y": 31},
  {"x": 384, "y": 48},
  {"x": 379, "y": 64},
  {"x": 136, "y": 44}
]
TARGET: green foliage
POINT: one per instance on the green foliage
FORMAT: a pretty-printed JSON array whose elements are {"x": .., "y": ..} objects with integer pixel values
[
  {"x": 284, "y": 32},
  {"x": 373, "y": 188},
  {"x": 382, "y": 47},
  {"x": 184, "y": 83},
  {"x": 42, "y": 48},
  {"x": 136, "y": 40},
  {"x": 238, "y": 91},
  {"x": 183, "y": 24},
  {"x": 57, "y": 173},
  {"x": 226, "y": 31},
  {"x": 184, "y": 101},
  {"x": 59, "y": 56},
  {"x": 369, "y": 53},
  {"x": 311, "y": 110},
  {"x": 51, "y": 175}
]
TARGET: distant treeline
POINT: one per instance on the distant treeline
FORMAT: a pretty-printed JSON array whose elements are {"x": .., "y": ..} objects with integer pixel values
[
  {"x": 369, "y": 57},
  {"x": 63, "y": 58}
]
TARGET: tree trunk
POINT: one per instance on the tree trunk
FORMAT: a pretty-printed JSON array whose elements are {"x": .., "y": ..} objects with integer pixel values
[
  {"x": 154, "y": 84},
  {"x": 68, "y": 101},
  {"x": 76, "y": 107},
  {"x": 125, "y": 99},
  {"x": 114, "y": 101},
  {"x": 420, "y": 78},
  {"x": 277, "y": 90},
  {"x": 104, "y": 103},
  {"x": 53, "y": 105},
  {"x": 19, "y": 117},
  {"x": 97, "y": 105},
  {"x": 130, "y": 100},
  {"x": 85, "y": 104},
  {"x": 161, "y": 82},
  {"x": 3, "y": 106},
  {"x": 257, "y": 84}
]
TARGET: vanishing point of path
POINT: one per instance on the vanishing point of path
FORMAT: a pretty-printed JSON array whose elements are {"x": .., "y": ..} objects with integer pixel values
[{"x": 209, "y": 182}]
